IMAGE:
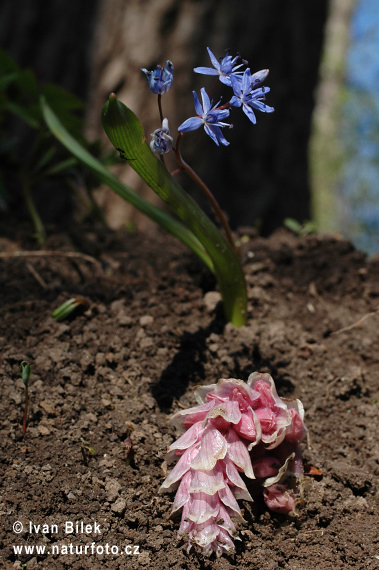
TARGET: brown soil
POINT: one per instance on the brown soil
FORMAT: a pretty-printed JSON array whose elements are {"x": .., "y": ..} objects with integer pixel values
[{"x": 120, "y": 369}]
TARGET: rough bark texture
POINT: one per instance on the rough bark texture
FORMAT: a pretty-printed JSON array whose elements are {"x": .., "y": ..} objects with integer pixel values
[{"x": 263, "y": 174}]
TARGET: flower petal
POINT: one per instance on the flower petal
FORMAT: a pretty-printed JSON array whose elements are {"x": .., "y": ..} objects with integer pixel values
[
  {"x": 229, "y": 411},
  {"x": 258, "y": 77},
  {"x": 190, "y": 124},
  {"x": 211, "y": 134},
  {"x": 208, "y": 482},
  {"x": 276, "y": 478},
  {"x": 182, "y": 494},
  {"x": 235, "y": 479},
  {"x": 202, "y": 507},
  {"x": 198, "y": 107},
  {"x": 278, "y": 498},
  {"x": 179, "y": 470},
  {"x": 249, "y": 427},
  {"x": 249, "y": 113},
  {"x": 216, "y": 134},
  {"x": 201, "y": 393},
  {"x": 229, "y": 500},
  {"x": 206, "y": 101},
  {"x": 185, "y": 418},
  {"x": 237, "y": 452},
  {"x": 190, "y": 437},
  {"x": 206, "y": 70},
  {"x": 213, "y": 447},
  {"x": 246, "y": 82},
  {"x": 214, "y": 60},
  {"x": 261, "y": 106}
]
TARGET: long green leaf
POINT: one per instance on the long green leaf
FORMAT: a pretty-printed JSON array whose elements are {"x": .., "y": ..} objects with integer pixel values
[
  {"x": 127, "y": 135},
  {"x": 170, "y": 224}
]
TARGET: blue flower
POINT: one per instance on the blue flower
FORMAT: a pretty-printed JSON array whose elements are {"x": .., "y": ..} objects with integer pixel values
[
  {"x": 209, "y": 117},
  {"x": 224, "y": 68},
  {"x": 248, "y": 95},
  {"x": 161, "y": 78},
  {"x": 161, "y": 141}
]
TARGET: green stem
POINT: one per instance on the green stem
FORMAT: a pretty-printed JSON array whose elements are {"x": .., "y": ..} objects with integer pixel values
[
  {"x": 206, "y": 191},
  {"x": 37, "y": 222},
  {"x": 160, "y": 106},
  {"x": 25, "y": 419}
]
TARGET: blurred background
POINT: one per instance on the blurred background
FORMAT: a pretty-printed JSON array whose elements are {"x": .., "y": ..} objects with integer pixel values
[{"x": 315, "y": 159}]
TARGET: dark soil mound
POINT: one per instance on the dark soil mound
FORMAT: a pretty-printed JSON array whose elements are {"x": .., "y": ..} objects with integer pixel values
[{"x": 154, "y": 330}]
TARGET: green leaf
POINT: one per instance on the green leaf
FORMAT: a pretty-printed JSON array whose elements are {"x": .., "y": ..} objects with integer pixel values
[
  {"x": 166, "y": 221},
  {"x": 25, "y": 371},
  {"x": 25, "y": 113},
  {"x": 127, "y": 135}
]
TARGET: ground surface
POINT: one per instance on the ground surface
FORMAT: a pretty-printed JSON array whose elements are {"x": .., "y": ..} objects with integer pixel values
[{"x": 120, "y": 369}]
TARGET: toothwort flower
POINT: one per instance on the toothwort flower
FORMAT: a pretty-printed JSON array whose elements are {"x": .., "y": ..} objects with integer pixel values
[
  {"x": 237, "y": 428},
  {"x": 161, "y": 141},
  {"x": 161, "y": 78},
  {"x": 209, "y": 117},
  {"x": 224, "y": 68},
  {"x": 248, "y": 95}
]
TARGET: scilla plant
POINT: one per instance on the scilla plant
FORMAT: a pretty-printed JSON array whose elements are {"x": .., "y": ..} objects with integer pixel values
[
  {"x": 127, "y": 135},
  {"x": 191, "y": 225}
]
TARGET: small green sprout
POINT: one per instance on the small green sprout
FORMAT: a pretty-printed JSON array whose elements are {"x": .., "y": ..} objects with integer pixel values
[
  {"x": 301, "y": 230},
  {"x": 87, "y": 450},
  {"x": 25, "y": 372},
  {"x": 68, "y": 307}
]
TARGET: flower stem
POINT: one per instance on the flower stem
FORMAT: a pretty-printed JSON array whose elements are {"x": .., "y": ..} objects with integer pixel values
[
  {"x": 204, "y": 188},
  {"x": 161, "y": 116},
  {"x": 160, "y": 106}
]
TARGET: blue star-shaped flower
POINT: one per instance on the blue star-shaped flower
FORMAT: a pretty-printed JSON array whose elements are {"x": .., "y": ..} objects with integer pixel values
[
  {"x": 161, "y": 78},
  {"x": 225, "y": 68},
  {"x": 248, "y": 95},
  {"x": 209, "y": 117}
]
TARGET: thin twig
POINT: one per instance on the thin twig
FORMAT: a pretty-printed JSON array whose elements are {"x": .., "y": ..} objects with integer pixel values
[
  {"x": 36, "y": 275},
  {"x": 356, "y": 324},
  {"x": 50, "y": 253}
]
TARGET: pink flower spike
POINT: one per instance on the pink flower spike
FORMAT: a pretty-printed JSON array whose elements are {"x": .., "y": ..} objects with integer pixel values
[{"x": 236, "y": 428}]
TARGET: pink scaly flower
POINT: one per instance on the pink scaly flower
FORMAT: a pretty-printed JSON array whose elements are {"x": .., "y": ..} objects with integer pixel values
[{"x": 236, "y": 428}]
